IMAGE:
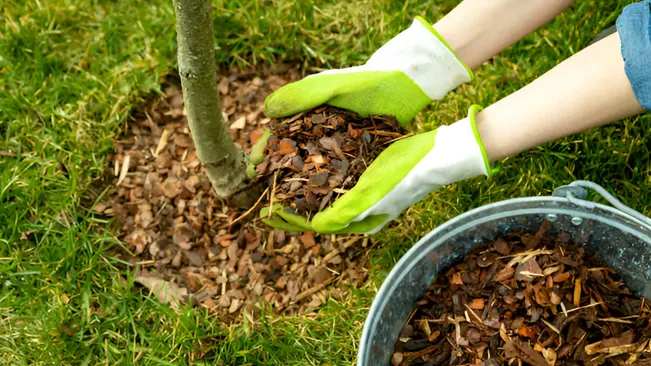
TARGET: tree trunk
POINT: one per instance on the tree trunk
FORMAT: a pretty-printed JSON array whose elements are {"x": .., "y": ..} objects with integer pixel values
[{"x": 224, "y": 163}]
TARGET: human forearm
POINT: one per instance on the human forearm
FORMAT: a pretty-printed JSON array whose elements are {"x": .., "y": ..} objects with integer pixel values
[
  {"x": 479, "y": 29},
  {"x": 587, "y": 90}
]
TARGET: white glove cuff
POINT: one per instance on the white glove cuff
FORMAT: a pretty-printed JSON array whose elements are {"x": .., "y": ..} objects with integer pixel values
[{"x": 422, "y": 54}]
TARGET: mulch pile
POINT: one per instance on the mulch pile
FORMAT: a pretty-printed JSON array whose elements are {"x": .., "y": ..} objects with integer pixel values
[
  {"x": 313, "y": 157},
  {"x": 188, "y": 242},
  {"x": 527, "y": 299}
]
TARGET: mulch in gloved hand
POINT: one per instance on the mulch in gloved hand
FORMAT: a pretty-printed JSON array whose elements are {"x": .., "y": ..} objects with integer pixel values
[
  {"x": 527, "y": 299},
  {"x": 313, "y": 157}
]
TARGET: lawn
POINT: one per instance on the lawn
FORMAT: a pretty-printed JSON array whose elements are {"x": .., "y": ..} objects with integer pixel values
[{"x": 71, "y": 72}]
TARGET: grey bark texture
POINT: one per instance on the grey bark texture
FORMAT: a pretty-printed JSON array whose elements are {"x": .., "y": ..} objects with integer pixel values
[{"x": 224, "y": 163}]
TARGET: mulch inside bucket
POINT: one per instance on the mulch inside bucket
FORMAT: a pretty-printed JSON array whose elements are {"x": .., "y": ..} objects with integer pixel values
[{"x": 527, "y": 299}]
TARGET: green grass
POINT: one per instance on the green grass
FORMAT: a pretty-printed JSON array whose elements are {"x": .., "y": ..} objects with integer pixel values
[{"x": 71, "y": 71}]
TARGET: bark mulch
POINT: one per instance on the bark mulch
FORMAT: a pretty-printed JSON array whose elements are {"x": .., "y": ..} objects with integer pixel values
[
  {"x": 189, "y": 244},
  {"x": 312, "y": 158},
  {"x": 527, "y": 299}
]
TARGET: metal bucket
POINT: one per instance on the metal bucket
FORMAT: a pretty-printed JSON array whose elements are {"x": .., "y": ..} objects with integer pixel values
[{"x": 620, "y": 235}]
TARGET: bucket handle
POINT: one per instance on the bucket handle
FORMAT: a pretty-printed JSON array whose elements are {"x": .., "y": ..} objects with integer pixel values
[{"x": 576, "y": 192}]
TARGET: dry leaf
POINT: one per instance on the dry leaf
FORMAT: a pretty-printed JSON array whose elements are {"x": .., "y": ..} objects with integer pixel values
[{"x": 166, "y": 292}]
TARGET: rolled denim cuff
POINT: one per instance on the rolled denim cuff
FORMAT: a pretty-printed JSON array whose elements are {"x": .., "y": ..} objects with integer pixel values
[{"x": 634, "y": 28}]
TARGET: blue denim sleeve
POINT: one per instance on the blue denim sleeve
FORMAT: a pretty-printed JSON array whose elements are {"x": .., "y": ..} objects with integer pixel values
[{"x": 634, "y": 28}]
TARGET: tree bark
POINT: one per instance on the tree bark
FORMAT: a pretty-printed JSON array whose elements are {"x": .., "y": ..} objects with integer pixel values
[{"x": 224, "y": 163}]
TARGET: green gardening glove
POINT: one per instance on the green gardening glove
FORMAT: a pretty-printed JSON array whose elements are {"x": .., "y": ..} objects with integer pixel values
[
  {"x": 404, "y": 174},
  {"x": 400, "y": 79},
  {"x": 400, "y": 176},
  {"x": 257, "y": 154},
  {"x": 284, "y": 218}
]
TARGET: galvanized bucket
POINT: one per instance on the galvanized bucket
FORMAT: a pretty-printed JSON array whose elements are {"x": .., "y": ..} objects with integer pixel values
[{"x": 620, "y": 235}]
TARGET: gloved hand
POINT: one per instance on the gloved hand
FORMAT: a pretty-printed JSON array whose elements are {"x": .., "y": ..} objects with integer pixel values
[
  {"x": 400, "y": 79},
  {"x": 400, "y": 176},
  {"x": 257, "y": 154}
]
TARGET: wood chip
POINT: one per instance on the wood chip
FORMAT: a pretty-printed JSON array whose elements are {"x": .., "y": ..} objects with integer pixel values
[
  {"x": 162, "y": 142},
  {"x": 239, "y": 123}
]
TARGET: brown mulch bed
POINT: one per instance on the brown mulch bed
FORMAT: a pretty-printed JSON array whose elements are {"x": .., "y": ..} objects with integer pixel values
[
  {"x": 185, "y": 238},
  {"x": 535, "y": 300}
]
